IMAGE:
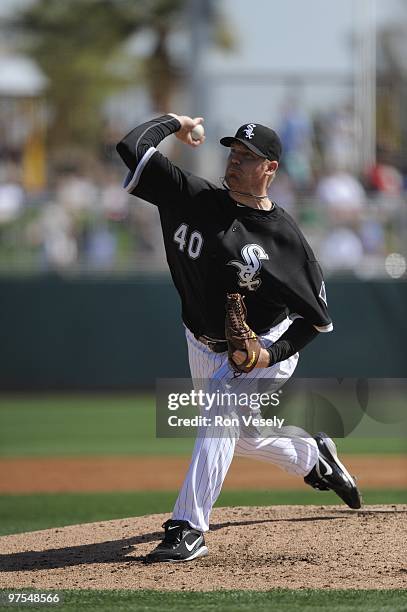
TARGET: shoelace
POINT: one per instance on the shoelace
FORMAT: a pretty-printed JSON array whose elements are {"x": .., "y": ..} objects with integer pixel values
[
  {"x": 172, "y": 536},
  {"x": 236, "y": 317}
]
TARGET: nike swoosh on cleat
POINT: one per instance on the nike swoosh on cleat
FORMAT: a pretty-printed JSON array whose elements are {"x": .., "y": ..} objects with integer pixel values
[
  {"x": 191, "y": 546},
  {"x": 175, "y": 527},
  {"x": 327, "y": 467}
]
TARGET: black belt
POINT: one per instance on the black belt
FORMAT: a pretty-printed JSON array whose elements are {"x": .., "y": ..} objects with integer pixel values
[
  {"x": 216, "y": 345},
  {"x": 219, "y": 345}
]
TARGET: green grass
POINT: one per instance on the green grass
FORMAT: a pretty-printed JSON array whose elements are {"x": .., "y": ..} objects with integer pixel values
[
  {"x": 20, "y": 513},
  {"x": 281, "y": 600},
  {"x": 109, "y": 424},
  {"x": 372, "y": 446}
]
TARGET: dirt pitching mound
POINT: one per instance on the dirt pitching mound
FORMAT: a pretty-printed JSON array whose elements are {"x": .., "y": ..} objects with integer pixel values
[{"x": 249, "y": 548}]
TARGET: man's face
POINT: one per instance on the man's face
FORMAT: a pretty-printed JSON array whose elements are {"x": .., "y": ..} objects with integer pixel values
[{"x": 245, "y": 171}]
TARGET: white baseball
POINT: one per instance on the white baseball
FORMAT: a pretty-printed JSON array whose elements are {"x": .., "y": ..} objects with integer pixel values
[{"x": 197, "y": 132}]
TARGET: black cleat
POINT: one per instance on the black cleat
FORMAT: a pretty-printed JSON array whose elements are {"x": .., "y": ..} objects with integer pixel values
[
  {"x": 181, "y": 543},
  {"x": 330, "y": 474}
]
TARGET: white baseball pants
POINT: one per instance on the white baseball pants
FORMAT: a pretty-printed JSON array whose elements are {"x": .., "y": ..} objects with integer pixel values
[{"x": 290, "y": 448}]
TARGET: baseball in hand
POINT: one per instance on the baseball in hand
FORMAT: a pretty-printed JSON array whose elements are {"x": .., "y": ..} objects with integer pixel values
[{"x": 197, "y": 132}]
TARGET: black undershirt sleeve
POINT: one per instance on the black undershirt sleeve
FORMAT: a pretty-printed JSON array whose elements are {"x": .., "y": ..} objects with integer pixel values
[
  {"x": 298, "y": 335},
  {"x": 133, "y": 146}
]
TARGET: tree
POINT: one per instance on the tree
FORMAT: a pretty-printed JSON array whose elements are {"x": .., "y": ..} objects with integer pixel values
[{"x": 79, "y": 45}]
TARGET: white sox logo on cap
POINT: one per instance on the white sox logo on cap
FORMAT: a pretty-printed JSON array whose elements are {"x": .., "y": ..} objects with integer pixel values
[
  {"x": 252, "y": 255},
  {"x": 249, "y": 130}
]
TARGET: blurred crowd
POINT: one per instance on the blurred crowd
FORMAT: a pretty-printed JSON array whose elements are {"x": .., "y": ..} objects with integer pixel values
[
  {"x": 86, "y": 221},
  {"x": 353, "y": 219}
]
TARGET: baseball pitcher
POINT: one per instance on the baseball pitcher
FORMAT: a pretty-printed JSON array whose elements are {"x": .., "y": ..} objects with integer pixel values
[{"x": 252, "y": 295}]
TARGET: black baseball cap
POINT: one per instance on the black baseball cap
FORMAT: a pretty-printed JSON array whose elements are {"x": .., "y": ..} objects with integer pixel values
[{"x": 258, "y": 138}]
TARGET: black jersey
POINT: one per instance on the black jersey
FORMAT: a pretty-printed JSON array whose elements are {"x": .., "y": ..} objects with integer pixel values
[{"x": 215, "y": 246}]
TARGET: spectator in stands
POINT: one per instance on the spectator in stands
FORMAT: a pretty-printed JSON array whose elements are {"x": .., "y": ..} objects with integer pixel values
[
  {"x": 296, "y": 135},
  {"x": 342, "y": 195},
  {"x": 12, "y": 196},
  {"x": 384, "y": 176}
]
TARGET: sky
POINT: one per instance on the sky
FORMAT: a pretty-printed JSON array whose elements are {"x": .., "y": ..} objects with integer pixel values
[
  {"x": 290, "y": 37},
  {"x": 295, "y": 35}
]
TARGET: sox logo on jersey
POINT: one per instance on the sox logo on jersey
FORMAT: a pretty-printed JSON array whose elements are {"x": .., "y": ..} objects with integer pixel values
[{"x": 248, "y": 274}]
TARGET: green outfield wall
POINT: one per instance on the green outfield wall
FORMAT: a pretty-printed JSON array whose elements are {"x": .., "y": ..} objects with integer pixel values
[{"x": 114, "y": 333}]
